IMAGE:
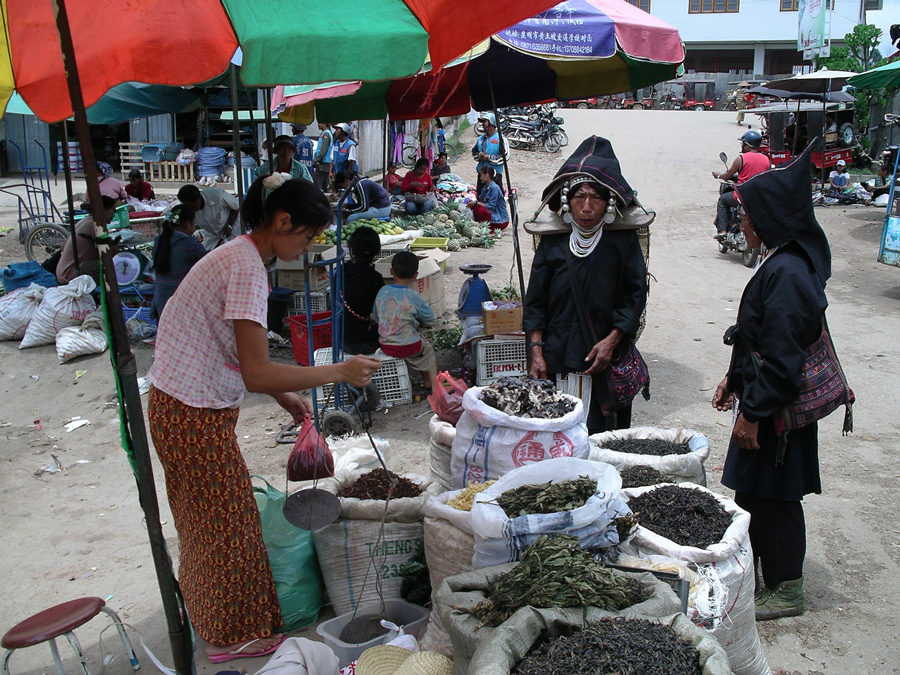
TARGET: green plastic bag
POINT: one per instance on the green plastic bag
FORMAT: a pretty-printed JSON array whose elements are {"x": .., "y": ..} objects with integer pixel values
[{"x": 292, "y": 557}]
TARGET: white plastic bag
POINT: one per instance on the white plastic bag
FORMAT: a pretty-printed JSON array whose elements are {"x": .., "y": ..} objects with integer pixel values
[
  {"x": 489, "y": 443},
  {"x": 88, "y": 338},
  {"x": 16, "y": 310},
  {"x": 61, "y": 307},
  {"x": 500, "y": 539},
  {"x": 881, "y": 201},
  {"x": 687, "y": 468},
  {"x": 732, "y": 559}
]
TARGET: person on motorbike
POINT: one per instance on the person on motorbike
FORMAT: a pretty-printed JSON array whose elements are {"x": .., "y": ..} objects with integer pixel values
[
  {"x": 489, "y": 149},
  {"x": 747, "y": 164}
]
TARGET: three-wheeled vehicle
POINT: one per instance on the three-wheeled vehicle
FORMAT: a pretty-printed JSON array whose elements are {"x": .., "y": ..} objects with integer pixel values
[
  {"x": 700, "y": 95},
  {"x": 639, "y": 100},
  {"x": 790, "y": 127}
]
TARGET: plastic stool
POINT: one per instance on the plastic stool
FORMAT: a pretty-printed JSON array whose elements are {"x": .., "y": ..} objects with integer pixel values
[{"x": 62, "y": 619}]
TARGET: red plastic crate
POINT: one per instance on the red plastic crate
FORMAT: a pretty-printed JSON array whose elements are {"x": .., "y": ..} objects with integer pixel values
[{"x": 300, "y": 335}]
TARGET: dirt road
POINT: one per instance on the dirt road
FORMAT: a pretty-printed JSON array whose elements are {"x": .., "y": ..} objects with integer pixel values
[{"x": 79, "y": 531}]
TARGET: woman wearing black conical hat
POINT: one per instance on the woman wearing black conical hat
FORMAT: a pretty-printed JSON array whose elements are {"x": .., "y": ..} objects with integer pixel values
[
  {"x": 591, "y": 231},
  {"x": 780, "y": 317}
]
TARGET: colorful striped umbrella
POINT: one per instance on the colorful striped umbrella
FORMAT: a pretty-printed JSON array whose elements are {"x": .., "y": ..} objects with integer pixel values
[
  {"x": 576, "y": 49},
  {"x": 182, "y": 42}
]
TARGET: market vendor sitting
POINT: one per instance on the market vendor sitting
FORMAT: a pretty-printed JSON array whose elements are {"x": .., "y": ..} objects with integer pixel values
[
  {"x": 109, "y": 186},
  {"x": 418, "y": 189},
  {"x": 491, "y": 205},
  {"x": 838, "y": 178},
  {"x": 139, "y": 188},
  {"x": 367, "y": 200},
  {"x": 284, "y": 160},
  {"x": 440, "y": 166},
  {"x": 175, "y": 252},
  {"x": 88, "y": 255},
  {"x": 392, "y": 181}
]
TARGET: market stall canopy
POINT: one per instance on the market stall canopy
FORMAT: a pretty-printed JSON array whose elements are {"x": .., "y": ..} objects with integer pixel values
[
  {"x": 883, "y": 77},
  {"x": 127, "y": 101},
  {"x": 576, "y": 49},
  {"x": 182, "y": 42},
  {"x": 820, "y": 81},
  {"x": 838, "y": 96}
]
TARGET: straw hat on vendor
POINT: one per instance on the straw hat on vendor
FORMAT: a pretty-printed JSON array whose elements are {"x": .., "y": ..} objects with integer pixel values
[
  {"x": 393, "y": 660},
  {"x": 588, "y": 286}
]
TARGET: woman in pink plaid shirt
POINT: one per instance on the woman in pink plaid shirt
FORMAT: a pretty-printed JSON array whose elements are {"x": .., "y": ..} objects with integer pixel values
[{"x": 211, "y": 347}]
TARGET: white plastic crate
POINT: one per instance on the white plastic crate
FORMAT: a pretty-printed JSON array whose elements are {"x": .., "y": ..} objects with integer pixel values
[
  {"x": 498, "y": 358},
  {"x": 392, "y": 379},
  {"x": 388, "y": 251},
  {"x": 320, "y": 301}
]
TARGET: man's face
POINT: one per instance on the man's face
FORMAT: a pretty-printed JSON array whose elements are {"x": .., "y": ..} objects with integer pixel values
[{"x": 284, "y": 153}]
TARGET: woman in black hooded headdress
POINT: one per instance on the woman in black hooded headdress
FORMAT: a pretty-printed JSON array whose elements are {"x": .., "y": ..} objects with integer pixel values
[{"x": 779, "y": 318}]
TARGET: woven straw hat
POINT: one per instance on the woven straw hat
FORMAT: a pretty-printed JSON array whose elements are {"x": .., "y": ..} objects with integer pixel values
[
  {"x": 382, "y": 660},
  {"x": 426, "y": 663}
]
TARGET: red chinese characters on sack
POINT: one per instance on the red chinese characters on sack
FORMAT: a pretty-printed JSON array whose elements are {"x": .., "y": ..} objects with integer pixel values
[
  {"x": 528, "y": 451},
  {"x": 562, "y": 446}
]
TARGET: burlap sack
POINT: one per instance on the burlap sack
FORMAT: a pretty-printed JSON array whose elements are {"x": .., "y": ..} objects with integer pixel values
[{"x": 467, "y": 590}]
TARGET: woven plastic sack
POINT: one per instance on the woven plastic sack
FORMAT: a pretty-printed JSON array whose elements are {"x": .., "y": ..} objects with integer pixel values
[
  {"x": 441, "y": 448},
  {"x": 732, "y": 559},
  {"x": 359, "y": 552},
  {"x": 687, "y": 468},
  {"x": 467, "y": 590},
  {"x": 489, "y": 443},
  {"x": 500, "y": 539},
  {"x": 61, "y": 307},
  {"x": 449, "y": 545},
  {"x": 88, "y": 338},
  {"x": 292, "y": 559},
  {"x": 16, "y": 310},
  {"x": 499, "y": 654}
]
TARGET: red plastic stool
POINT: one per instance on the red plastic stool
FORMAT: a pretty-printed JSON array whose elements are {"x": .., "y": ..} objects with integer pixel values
[{"x": 62, "y": 619}]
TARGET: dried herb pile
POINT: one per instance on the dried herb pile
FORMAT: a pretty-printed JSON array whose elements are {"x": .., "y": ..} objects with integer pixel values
[
  {"x": 555, "y": 572},
  {"x": 687, "y": 516},
  {"x": 547, "y": 497},
  {"x": 613, "y": 646},
  {"x": 528, "y": 397},
  {"x": 376, "y": 483},
  {"x": 466, "y": 498},
  {"x": 641, "y": 476},
  {"x": 647, "y": 446}
]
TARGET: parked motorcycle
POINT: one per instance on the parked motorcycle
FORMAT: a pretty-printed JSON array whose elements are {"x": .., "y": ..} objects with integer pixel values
[
  {"x": 671, "y": 103},
  {"x": 734, "y": 238},
  {"x": 537, "y": 127}
]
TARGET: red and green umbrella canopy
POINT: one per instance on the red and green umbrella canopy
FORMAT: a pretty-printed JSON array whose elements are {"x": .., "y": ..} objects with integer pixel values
[
  {"x": 183, "y": 42},
  {"x": 576, "y": 49}
]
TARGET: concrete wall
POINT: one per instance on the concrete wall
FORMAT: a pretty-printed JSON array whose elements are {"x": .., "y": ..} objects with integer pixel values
[{"x": 760, "y": 21}]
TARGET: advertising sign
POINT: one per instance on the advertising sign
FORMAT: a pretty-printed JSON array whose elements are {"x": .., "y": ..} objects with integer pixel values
[{"x": 811, "y": 20}]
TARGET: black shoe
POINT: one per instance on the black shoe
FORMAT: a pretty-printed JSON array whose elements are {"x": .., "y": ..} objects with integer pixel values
[{"x": 719, "y": 236}]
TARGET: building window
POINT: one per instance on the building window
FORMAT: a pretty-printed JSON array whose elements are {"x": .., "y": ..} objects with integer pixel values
[
  {"x": 791, "y": 5},
  {"x": 641, "y": 4},
  {"x": 713, "y": 6},
  {"x": 718, "y": 61}
]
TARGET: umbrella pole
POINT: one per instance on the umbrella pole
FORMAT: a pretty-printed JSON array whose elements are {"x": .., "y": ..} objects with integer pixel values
[
  {"x": 270, "y": 137},
  {"x": 70, "y": 197},
  {"x": 824, "y": 127},
  {"x": 125, "y": 369},
  {"x": 513, "y": 214},
  {"x": 236, "y": 142}
]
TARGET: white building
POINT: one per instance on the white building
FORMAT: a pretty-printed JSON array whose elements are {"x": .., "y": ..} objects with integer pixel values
[{"x": 759, "y": 36}]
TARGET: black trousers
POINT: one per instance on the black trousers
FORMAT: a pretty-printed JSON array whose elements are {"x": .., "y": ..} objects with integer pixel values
[{"x": 777, "y": 535}]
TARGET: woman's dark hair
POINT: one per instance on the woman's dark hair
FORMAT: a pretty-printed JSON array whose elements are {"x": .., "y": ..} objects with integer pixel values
[
  {"x": 342, "y": 177},
  {"x": 162, "y": 257},
  {"x": 421, "y": 162},
  {"x": 301, "y": 200},
  {"x": 489, "y": 170},
  {"x": 364, "y": 246}
]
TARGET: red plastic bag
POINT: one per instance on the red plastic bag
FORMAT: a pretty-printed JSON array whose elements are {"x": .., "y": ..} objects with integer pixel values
[
  {"x": 446, "y": 399},
  {"x": 310, "y": 457}
]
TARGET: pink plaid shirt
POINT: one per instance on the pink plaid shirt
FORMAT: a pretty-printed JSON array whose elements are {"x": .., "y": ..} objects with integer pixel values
[{"x": 196, "y": 358}]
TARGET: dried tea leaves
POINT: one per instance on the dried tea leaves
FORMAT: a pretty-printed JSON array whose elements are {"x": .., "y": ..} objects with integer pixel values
[
  {"x": 687, "y": 516},
  {"x": 641, "y": 476},
  {"x": 555, "y": 572},
  {"x": 547, "y": 497},
  {"x": 363, "y": 628},
  {"x": 613, "y": 646},
  {"x": 528, "y": 397},
  {"x": 647, "y": 446},
  {"x": 464, "y": 500},
  {"x": 376, "y": 483}
]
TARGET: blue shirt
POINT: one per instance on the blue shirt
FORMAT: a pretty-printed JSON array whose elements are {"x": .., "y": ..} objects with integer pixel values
[
  {"x": 323, "y": 151},
  {"x": 184, "y": 252},
  {"x": 303, "y": 150},
  {"x": 490, "y": 145},
  {"x": 492, "y": 196},
  {"x": 400, "y": 311},
  {"x": 341, "y": 155}
]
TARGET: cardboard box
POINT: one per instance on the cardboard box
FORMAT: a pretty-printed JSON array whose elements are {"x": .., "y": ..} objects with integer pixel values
[
  {"x": 291, "y": 274},
  {"x": 498, "y": 321},
  {"x": 430, "y": 283}
]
